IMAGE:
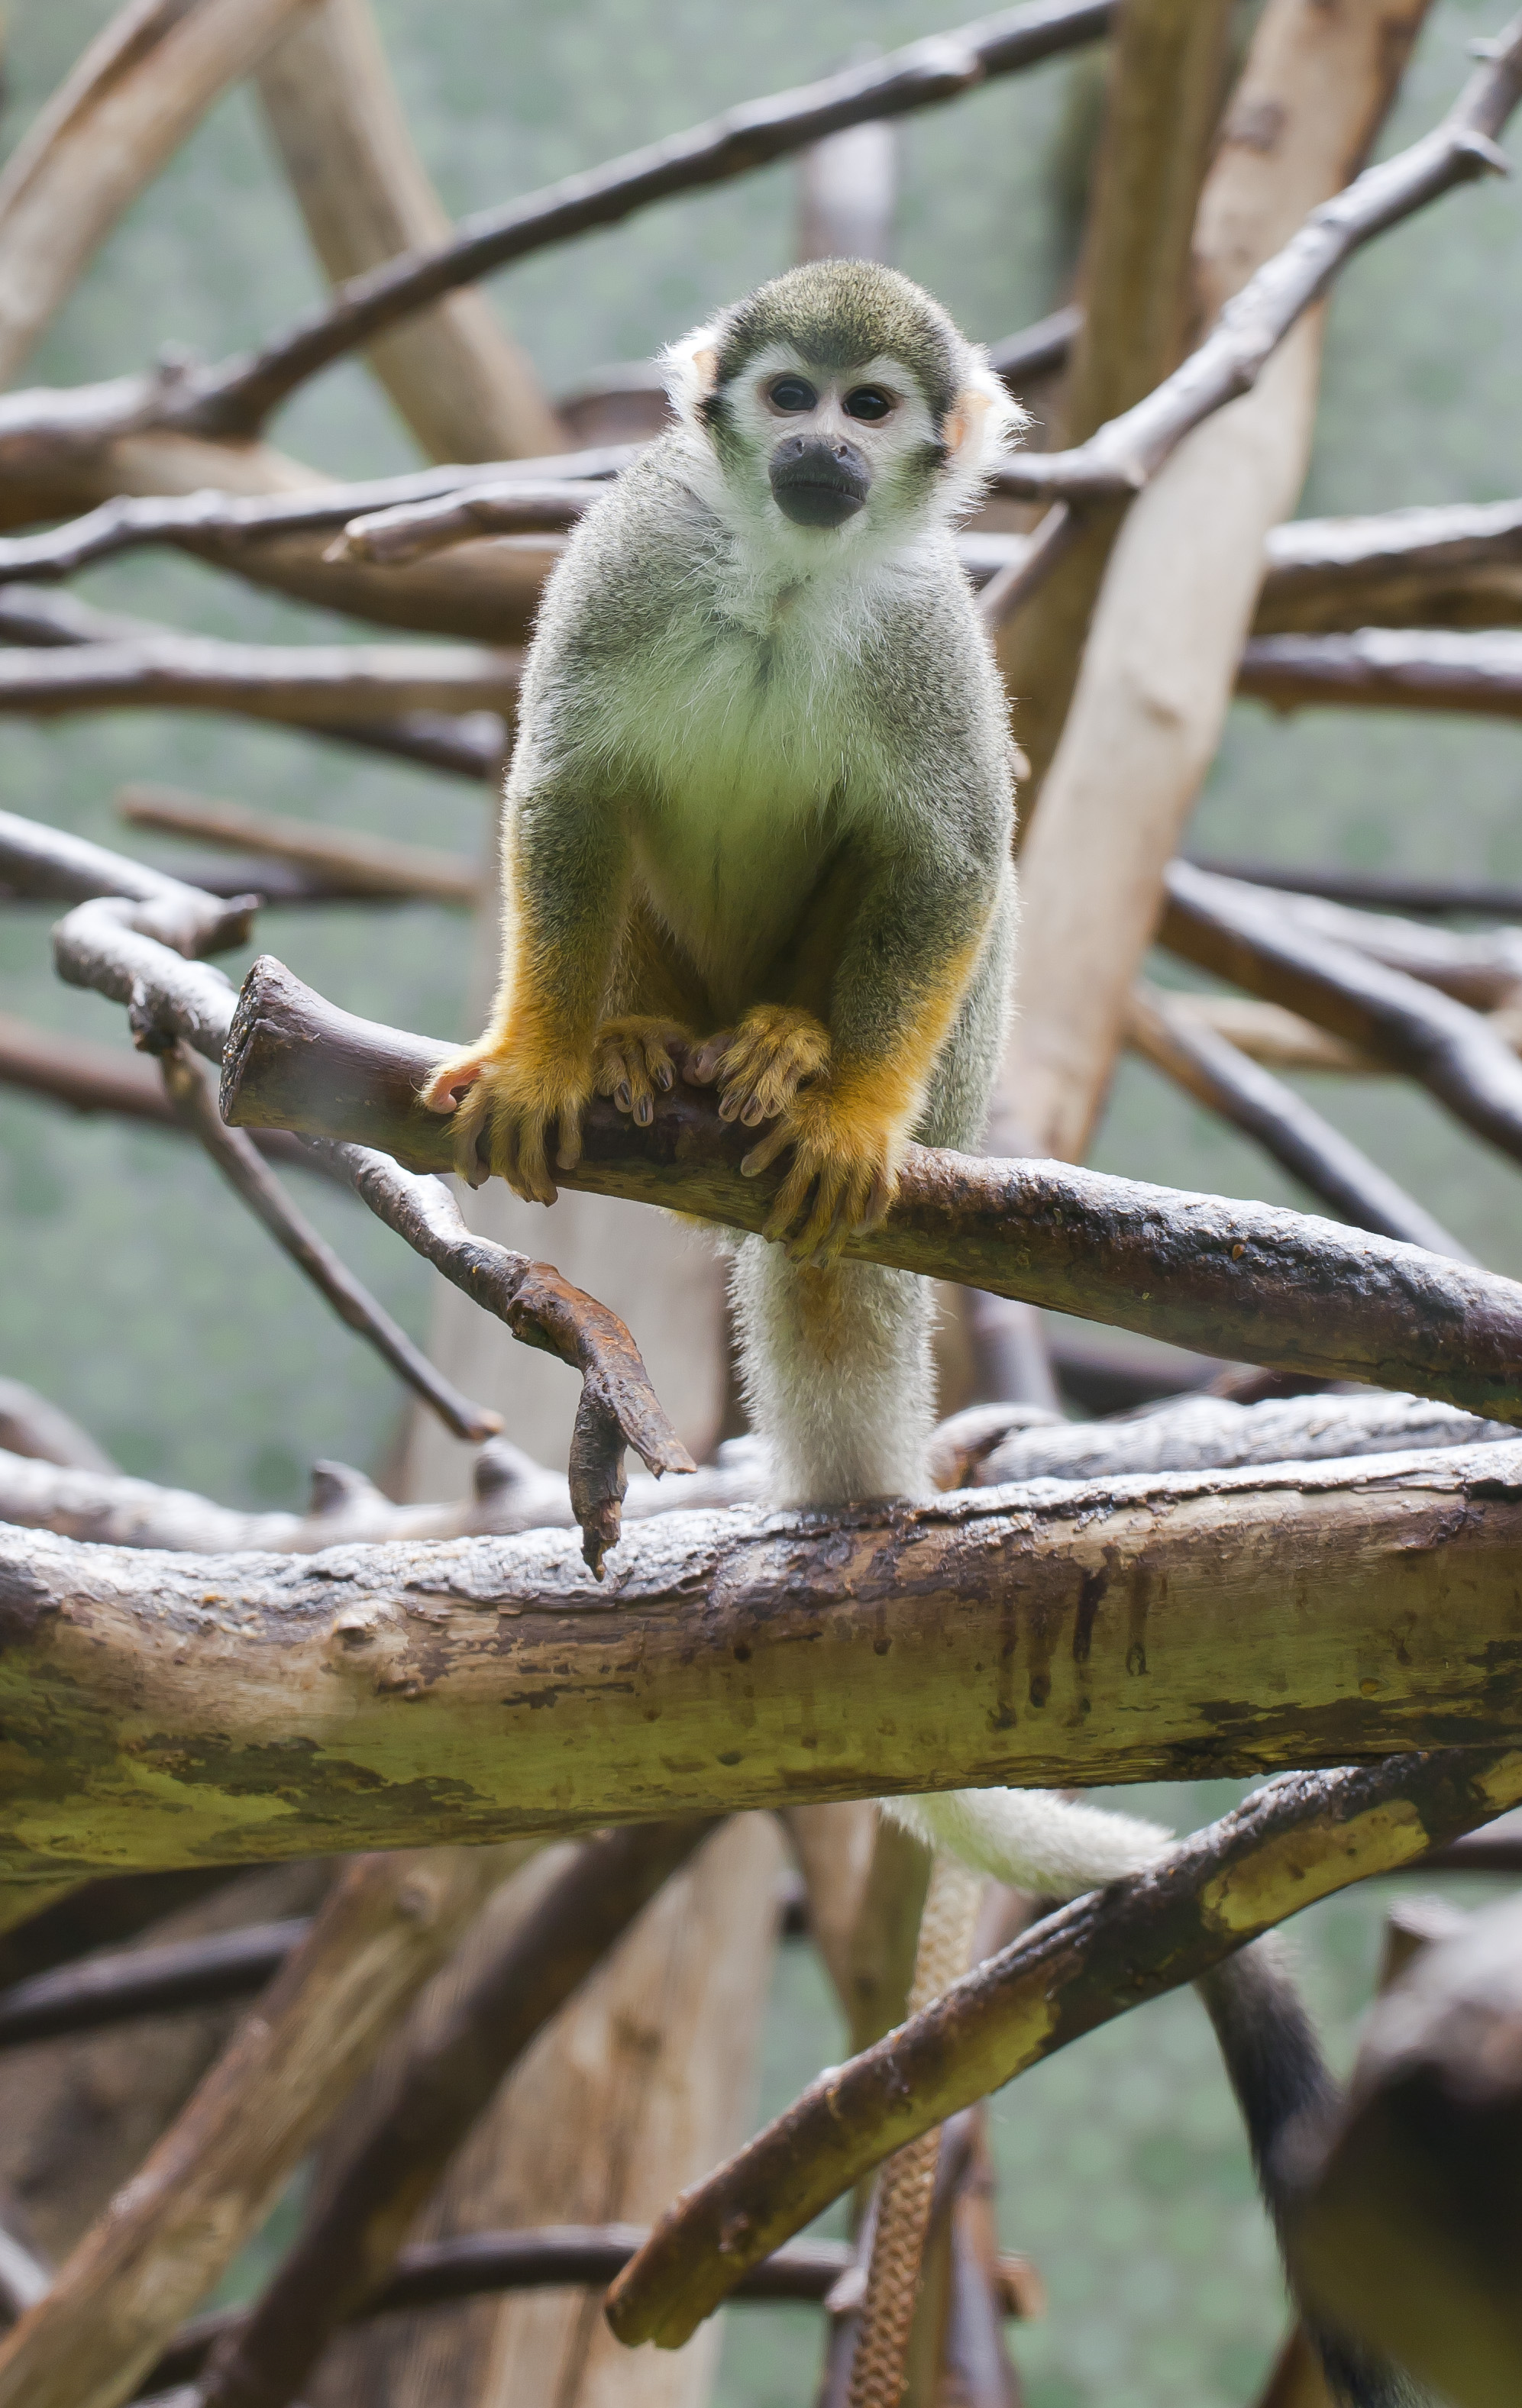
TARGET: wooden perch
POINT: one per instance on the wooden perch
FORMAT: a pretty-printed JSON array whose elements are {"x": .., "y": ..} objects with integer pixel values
[
  {"x": 1209, "y": 1068},
  {"x": 235, "y": 399},
  {"x": 1127, "y": 451},
  {"x": 1388, "y": 668},
  {"x": 350, "y": 861},
  {"x": 1302, "y": 1837},
  {"x": 467, "y": 390},
  {"x": 134, "y": 94},
  {"x": 1268, "y": 1286},
  {"x": 556, "y": 2257},
  {"x": 348, "y": 2249},
  {"x": 194, "y": 1708},
  {"x": 470, "y": 745},
  {"x": 189, "y": 1093},
  {"x": 1408, "y": 2226},
  {"x": 154, "y": 1981},
  {"x": 1455, "y": 566},
  {"x": 1244, "y": 936},
  {"x": 209, "y": 2183}
]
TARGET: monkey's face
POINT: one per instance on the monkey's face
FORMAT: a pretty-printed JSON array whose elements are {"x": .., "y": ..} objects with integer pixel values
[{"x": 828, "y": 447}]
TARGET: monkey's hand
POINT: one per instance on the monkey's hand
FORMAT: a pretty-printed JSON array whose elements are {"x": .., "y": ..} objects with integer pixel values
[
  {"x": 632, "y": 1058},
  {"x": 761, "y": 1064},
  {"x": 843, "y": 1175},
  {"x": 512, "y": 1095}
]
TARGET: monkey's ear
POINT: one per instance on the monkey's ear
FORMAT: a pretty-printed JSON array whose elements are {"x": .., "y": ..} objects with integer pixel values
[
  {"x": 691, "y": 368},
  {"x": 965, "y": 419},
  {"x": 981, "y": 425}
]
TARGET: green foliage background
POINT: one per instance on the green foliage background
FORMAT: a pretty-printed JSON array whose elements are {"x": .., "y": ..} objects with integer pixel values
[{"x": 137, "y": 1300}]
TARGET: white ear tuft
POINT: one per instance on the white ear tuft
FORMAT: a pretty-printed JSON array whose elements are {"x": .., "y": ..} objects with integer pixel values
[
  {"x": 990, "y": 419},
  {"x": 690, "y": 368}
]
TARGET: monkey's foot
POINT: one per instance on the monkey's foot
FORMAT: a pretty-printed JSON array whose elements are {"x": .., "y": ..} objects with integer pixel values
[
  {"x": 632, "y": 1060},
  {"x": 761, "y": 1064},
  {"x": 505, "y": 1112},
  {"x": 842, "y": 1179}
]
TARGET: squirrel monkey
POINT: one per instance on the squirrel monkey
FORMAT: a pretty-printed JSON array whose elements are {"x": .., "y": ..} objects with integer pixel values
[
  {"x": 757, "y": 835},
  {"x": 758, "y": 829}
]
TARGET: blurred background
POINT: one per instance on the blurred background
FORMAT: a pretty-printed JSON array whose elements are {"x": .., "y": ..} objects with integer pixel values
[{"x": 163, "y": 1321}]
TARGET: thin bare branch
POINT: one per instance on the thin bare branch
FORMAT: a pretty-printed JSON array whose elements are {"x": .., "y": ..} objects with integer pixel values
[
  {"x": 1378, "y": 890},
  {"x": 1209, "y": 1068},
  {"x": 54, "y": 866},
  {"x": 1302, "y": 1837},
  {"x": 1037, "y": 350},
  {"x": 342, "y": 859},
  {"x": 1300, "y": 1295},
  {"x": 1248, "y": 937},
  {"x": 163, "y": 1980},
  {"x": 304, "y": 685},
  {"x": 385, "y": 1927},
  {"x": 1388, "y": 668},
  {"x": 33, "y": 1426},
  {"x": 1483, "y": 970},
  {"x": 411, "y": 529},
  {"x": 465, "y": 388},
  {"x": 190, "y": 1091},
  {"x": 1126, "y": 453},
  {"x": 239, "y": 396}
]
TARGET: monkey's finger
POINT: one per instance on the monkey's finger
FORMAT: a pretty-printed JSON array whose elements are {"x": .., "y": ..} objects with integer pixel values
[
  {"x": 534, "y": 1180},
  {"x": 791, "y": 1202},
  {"x": 655, "y": 1044},
  {"x": 473, "y": 1119},
  {"x": 702, "y": 1064},
  {"x": 761, "y": 1156},
  {"x": 568, "y": 1147},
  {"x": 445, "y": 1089},
  {"x": 812, "y": 1237}
]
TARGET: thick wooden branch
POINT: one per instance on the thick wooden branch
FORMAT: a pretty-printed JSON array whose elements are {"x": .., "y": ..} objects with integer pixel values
[
  {"x": 383, "y": 1931},
  {"x": 1209, "y": 1068},
  {"x": 1126, "y": 453},
  {"x": 1388, "y": 668},
  {"x": 467, "y": 390},
  {"x": 1172, "y": 1625},
  {"x": 238, "y": 1158},
  {"x": 237, "y": 398},
  {"x": 468, "y": 745},
  {"x": 1270, "y": 1286},
  {"x": 348, "y": 2249},
  {"x": 1299, "y": 1839},
  {"x": 1459, "y": 566},
  {"x": 344, "y": 861},
  {"x": 129, "y": 102},
  {"x": 1245, "y": 936}
]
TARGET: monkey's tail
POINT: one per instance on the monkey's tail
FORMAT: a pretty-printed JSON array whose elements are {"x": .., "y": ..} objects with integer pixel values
[
  {"x": 838, "y": 1376},
  {"x": 1058, "y": 1848}
]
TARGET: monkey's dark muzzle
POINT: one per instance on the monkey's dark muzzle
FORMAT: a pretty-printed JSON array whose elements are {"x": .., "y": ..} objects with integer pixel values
[{"x": 818, "y": 484}]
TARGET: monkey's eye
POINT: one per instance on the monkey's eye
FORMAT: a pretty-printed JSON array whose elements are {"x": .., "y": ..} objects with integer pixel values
[
  {"x": 793, "y": 394},
  {"x": 867, "y": 401}
]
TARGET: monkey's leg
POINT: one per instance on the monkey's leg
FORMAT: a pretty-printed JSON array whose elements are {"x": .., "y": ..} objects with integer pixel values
[{"x": 656, "y": 1001}]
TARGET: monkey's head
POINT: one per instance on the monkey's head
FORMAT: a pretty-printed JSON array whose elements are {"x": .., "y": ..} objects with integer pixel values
[{"x": 841, "y": 401}]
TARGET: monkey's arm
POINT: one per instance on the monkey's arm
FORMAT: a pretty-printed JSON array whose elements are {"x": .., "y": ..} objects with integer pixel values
[
  {"x": 909, "y": 955},
  {"x": 565, "y": 898}
]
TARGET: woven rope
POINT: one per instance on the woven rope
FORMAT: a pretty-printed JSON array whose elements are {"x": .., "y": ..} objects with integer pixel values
[{"x": 909, "y": 2177}]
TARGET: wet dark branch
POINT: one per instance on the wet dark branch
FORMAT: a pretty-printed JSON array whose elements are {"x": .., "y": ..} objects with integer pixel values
[{"x": 1268, "y": 1287}]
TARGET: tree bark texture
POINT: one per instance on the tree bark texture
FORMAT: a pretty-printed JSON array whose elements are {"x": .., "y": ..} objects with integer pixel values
[
  {"x": 466, "y": 390},
  {"x": 637, "y": 2088},
  {"x": 1459, "y": 566},
  {"x": 161, "y": 1708},
  {"x": 1159, "y": 666}
]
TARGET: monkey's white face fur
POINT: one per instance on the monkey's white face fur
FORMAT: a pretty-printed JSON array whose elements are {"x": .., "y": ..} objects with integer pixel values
[{"x": 867, "y": 429}]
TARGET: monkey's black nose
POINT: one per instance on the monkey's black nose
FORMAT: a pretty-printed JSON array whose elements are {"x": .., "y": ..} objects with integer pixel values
[{"x": 818, "y": 484}]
